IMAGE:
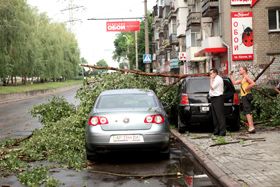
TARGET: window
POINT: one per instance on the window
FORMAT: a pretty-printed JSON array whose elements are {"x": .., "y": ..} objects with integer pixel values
[
  {"x": 193, "y": 39},
  {"x": 274, "y": 20},
  {"x": 126, "y": 101},
  {"x": 203, "y": 87}
]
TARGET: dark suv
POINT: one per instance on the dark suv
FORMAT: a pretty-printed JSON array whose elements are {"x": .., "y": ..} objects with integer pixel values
[{"x": 194, "y": 106}]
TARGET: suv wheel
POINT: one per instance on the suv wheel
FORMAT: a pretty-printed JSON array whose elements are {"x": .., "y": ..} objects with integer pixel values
[{"x": 181, "y": 126}]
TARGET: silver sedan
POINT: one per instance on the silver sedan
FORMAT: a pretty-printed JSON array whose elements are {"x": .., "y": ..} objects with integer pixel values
[{"x": 127, "y": 119}]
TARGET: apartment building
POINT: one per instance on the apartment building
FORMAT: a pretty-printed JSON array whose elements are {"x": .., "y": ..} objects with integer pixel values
[
  {"x": 169, "y": 26},
  {"x": 218, "y": 33}
]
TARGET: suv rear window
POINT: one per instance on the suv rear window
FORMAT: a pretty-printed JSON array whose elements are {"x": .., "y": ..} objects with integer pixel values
[
  {"x": 203, "y": 86},
  {"x": 198, "y": 86}
]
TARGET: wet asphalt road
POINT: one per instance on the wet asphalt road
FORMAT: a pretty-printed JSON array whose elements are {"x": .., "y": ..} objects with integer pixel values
[{"x": 16, "y": 121}]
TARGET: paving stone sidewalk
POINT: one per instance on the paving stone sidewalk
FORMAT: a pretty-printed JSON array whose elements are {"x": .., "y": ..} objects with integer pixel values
[{"x": 253, "y": 161}]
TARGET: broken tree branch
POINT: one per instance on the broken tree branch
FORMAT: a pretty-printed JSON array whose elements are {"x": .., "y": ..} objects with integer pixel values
[
  {"x": 137, "y": 176},
  {"x": 263, "y": 93},
  {"x": 138, "y": 72},
  {"x": 250, "y": 138},
  {"x": 169, "y": 87},
  {"x": 267, "y": 66},
  {"x": 224, "y": 143}
]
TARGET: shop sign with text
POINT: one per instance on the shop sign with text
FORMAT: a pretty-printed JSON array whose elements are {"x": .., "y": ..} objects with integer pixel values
[
  {"x": 244, "y": 2},
  {"x": 122, "y": 26},
  {"x": 242, "y": 36},
  {"x": 241, "y": 2}
]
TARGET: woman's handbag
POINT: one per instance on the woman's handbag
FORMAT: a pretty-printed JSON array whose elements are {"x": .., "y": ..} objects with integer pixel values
[{"x": 249, "y": 97}]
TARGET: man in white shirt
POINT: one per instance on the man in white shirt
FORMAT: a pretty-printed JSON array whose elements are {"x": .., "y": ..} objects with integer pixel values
[{"x": 217, "y": 102}]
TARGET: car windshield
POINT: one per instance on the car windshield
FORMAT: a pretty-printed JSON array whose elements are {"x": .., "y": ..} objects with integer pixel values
[
  {"x": 126, "y": 101},
  {"x": 198, "y": 86}
]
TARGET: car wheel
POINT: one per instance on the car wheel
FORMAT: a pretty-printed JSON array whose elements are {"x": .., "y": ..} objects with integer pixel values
[
  {"x": 181, "y": 126},
  {"x": 91, "y": 155},
  {"x": 235, "y": 125},
  {"x": 165, "y": 154}
]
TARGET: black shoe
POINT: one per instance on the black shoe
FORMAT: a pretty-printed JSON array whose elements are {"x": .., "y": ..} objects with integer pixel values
[
  {"x": 222, "y": 134},
  {"x": 216, "y": 133}
]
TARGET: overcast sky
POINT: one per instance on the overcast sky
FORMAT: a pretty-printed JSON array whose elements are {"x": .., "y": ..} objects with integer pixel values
[{"x": 94, "y": 42}]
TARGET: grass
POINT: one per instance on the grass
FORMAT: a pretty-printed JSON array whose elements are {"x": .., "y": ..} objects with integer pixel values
[{"x": 37, "y": 86}]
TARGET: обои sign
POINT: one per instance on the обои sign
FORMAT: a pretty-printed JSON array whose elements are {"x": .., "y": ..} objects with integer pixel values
[
  {"x": 122, "y": 26},
  {"x": 242, "y": 36}
]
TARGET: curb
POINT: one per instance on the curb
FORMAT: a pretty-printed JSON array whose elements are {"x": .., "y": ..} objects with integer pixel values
[
  {"x": 214, "y": 171},
  {"x": 7, "y": 98}
]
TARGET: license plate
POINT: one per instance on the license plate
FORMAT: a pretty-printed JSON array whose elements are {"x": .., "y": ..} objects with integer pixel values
[
  {"x": 204, "y": 108},
  {"x": 126, "y": 138}
]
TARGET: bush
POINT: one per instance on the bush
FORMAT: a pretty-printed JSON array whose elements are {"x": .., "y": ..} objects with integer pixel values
[
  {"x": 266, "y": 105},
  {"x": 53, "y": 111}
]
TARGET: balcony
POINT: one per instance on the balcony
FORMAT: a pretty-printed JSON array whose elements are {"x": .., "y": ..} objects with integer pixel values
[
  {"x": 172, "y": 14},
  {"x": 210, "y": 8},
  {"x": 165, "y": 43},
  {"x": 194, "y": 18},
  {"x": 173, "y": 39}
]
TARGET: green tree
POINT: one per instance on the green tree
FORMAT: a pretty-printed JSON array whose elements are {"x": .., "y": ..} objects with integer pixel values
[
  {"x": 33, "y": 47},
  {"x": 101, "y": 63},
  {"x": 125, "y": 46}
]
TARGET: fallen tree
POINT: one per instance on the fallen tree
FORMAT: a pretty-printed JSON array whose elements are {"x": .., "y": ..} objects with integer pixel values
[{"x": 138, "y": 72}]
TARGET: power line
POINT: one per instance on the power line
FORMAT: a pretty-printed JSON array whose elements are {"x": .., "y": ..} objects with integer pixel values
[
  {"x": 115, "y": 18},
  {"x": 71, "y": 7}
]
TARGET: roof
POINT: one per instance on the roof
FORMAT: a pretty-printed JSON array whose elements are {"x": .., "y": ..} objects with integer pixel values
[{"x": 126, "y": 91}]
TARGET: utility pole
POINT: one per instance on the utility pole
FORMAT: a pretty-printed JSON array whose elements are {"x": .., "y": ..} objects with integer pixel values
[
  {"x": 136, "y": 50},
  {"x": 147, "y": 65}
]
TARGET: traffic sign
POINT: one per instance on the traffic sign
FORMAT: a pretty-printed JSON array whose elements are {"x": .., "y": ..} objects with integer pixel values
[
  {"x": 182, "y": 56},
  {"x": 147, "y": 58}
]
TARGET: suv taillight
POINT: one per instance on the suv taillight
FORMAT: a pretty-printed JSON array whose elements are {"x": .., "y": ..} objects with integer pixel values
[
  {"x": 184, "y": 99},
  {"x": 97, "y": 120},
  {"x": 235, "y": 99}
]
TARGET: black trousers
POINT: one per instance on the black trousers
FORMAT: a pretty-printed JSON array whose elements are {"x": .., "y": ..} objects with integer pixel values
[{"x": 219, "y": 121}]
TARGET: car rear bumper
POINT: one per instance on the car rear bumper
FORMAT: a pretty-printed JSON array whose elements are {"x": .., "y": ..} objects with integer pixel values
[
  {"x": 192, "y": 114},
  {"x": 151, "y": 142}
]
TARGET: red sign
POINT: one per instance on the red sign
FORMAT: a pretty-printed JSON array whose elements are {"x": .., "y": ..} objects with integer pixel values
[
  {"x": 183, "y": 56},
  {"x": 122, "y": 26},
  {"x": 241, "y": 2},
  {"x": 253, "y": 2},
  {"x": 242, "y": 36},
  {"x": 244, "y": 2}
]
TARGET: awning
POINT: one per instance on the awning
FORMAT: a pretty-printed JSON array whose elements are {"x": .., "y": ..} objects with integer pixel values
[
  {"x": 214, "y": 50},
  {"x": 198, "y": 59}
]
